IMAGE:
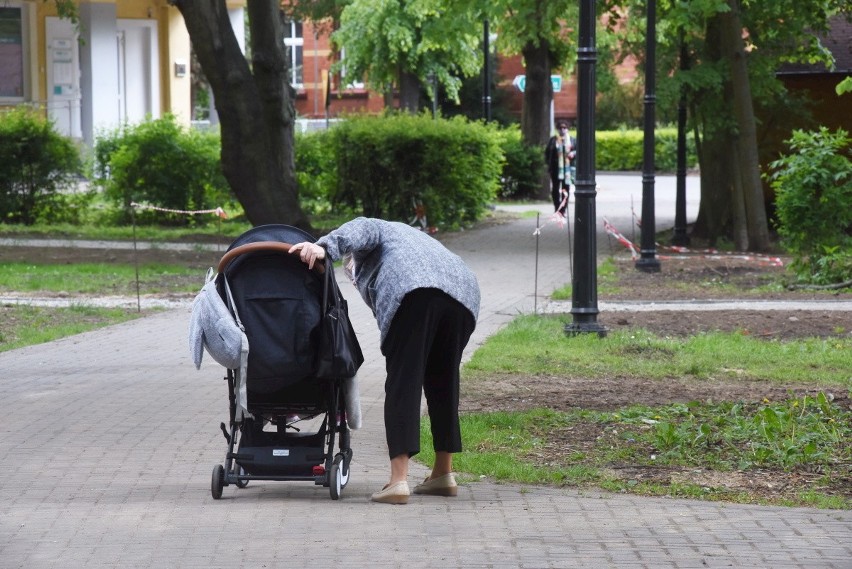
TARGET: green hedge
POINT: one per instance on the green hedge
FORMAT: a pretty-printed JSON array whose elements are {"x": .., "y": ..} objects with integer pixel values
[
  {"x": 386, "y": 166},
  {"x": 622, "y": 150},
  {"x": 38, "y": 170},
  {"x": 316, "y": 170},
  {"x": 372, "y": 164}
]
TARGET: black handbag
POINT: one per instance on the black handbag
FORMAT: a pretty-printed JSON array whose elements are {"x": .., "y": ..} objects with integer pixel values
[{"x": 339, "y": 355}]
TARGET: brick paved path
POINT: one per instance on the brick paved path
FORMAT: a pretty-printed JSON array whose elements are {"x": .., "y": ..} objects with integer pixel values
[{"x": 109, "y": 438}]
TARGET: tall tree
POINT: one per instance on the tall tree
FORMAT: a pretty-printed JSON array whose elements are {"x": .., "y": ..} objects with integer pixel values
[
  {"x": 735, "y": 47},
  {"x": 255, "y": 106},
  {"x": 542, "y": 32},
  {"x": 407, "y": 43},
  {"x": 746, "y": 174}
]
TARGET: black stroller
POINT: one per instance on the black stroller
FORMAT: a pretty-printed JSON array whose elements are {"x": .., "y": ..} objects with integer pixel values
[{"x": 278, "y": 301}]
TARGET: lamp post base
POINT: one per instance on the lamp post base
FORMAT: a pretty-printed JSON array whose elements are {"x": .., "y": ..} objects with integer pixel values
[
  {"x": 577, "y": 328},
  {"x": 651, "y": 265}
]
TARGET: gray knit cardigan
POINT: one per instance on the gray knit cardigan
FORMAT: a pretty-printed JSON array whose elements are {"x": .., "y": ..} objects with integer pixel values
[{"x": 393, "y": 259}]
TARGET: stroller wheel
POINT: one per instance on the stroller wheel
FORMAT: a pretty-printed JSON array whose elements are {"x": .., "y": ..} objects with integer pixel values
[
  {"x": 218, "y": 481},
  {"x": 239, "y": 471},
  {"x": 338, "y": 476}
]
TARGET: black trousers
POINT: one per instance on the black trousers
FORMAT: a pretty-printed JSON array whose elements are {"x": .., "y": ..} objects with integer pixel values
[
  {"x": 423, "y": 351},
  {"x": 556, "y": 185}
]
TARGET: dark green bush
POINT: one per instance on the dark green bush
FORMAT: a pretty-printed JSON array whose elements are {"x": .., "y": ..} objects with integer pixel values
[
  {"x": 38, "y": 169},
  {"x": 315, "y": 170},
  {"x": 813, "y": 189},
  {"x": 523, "y": 166},
  {"x": 387, "y": 166},
  {"x": 159, "y": 163}
]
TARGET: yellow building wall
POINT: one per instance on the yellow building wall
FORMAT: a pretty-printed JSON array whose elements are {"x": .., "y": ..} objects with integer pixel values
[
  {"x": 174, "y": 49},
  {"x": 175, "y": 94},
  {"x": 43, "y": 10}
]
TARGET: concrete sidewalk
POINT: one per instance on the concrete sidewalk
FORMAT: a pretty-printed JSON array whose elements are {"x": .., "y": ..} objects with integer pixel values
[{"x": 109, "y": 439}]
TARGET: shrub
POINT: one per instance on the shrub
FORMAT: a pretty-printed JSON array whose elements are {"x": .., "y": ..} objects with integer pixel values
[
  {"x": 163, "y": 164},
  {"x": 813, "y": 188},
  {"x": 316, "y": 171},
  {"x": 523, "y": 167},
  {"x": 388, "y": 166},
  {"x": 36, "y": 166},
  {"x": 622, "y": 150}
]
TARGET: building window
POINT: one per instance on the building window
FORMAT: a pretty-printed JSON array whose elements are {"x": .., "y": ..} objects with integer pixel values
[
  {"x": 294, "y": 46},
  {"x": 348, "y": 81},
  {"x": 11, "y": 52}
]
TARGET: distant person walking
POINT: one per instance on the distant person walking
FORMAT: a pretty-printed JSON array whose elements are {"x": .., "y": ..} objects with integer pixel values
[
  {"x": 559, "y": 155},
  {"x": 426, "y": 301}
]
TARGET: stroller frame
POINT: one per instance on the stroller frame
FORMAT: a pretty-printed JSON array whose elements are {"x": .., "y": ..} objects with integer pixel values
[
  {"x": 287, "y": 454},
  {"x": 329, "y": 469}
]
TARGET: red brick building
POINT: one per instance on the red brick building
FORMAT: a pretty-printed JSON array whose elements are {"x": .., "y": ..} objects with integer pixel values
[{"x": 312, "y": 57}]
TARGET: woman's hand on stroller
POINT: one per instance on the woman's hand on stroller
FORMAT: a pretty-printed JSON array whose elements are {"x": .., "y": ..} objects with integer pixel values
[{"x": 309, "y": 252}]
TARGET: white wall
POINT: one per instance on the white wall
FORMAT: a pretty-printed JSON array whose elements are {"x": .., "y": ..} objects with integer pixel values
[{"x": 99, "y": 69}]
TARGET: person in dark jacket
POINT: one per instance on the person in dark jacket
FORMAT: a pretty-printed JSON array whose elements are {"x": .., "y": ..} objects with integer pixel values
[
  {"x": 426, "y": 301},
  {"x": 559, "y": 155}
]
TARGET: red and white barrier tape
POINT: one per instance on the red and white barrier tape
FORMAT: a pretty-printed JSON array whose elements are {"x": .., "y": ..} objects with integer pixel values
[
  {"x": 680, "y": 249},
  {"x": 420, "y": 218},
  {"x": 711, "y": 254},
  {"x": 609, "y": 228},
  {"x": 218, "y": 211},
  {"x": 759, "y": 259}
]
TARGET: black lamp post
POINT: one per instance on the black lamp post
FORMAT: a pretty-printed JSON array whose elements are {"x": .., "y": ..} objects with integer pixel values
[
  {"x": 486, "y": 73},
  {"x": 584, "y": 280},
  {"x": 679, "y": 236},
  {"x": 648, "y": 261}
]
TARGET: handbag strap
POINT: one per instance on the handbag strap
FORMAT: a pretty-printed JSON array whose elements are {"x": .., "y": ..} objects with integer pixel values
[{"x": 330, "y": 291}]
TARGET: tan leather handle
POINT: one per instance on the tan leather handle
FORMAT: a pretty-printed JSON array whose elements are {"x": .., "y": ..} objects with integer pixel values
[{"x": 258, "y": 246}]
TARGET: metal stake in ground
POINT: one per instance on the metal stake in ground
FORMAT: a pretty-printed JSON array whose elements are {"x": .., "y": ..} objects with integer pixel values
[
  {"x": 535, "y": 286},
  {"x": 135, "y": 257}
]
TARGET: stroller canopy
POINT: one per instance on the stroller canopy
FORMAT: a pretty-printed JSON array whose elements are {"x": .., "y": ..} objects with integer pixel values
[{"x": 278, "y": 300}]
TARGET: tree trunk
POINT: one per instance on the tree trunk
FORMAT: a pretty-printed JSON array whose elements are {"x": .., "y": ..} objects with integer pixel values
[
  {"x": 714, "y": 208},
  {"x": 738, "y": 209},
  {"x": 716, "y": 157},
  {"x": 255, "y": 107},
  {"x": 538, "y": 94},
  {"x": 387, "y": 97},
  {"x": 743, "y": 110},
  {"x": 409, "y": 92}
]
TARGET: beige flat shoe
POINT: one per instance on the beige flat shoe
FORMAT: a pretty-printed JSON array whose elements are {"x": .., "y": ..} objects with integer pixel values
[
  {"x": 442, "y": 486},
  {"x": 396, "y": 493}
]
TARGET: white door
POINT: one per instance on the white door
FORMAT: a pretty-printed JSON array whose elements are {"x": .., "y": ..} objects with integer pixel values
[
  {"x": 63, "y": 77},
  {"x": 138, "y": 70}
]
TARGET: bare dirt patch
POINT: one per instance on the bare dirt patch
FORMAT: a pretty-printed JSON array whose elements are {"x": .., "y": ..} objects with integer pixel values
[
  {"x": 200, "y": 259},
  {"x": 768, "y": 324},
  {"x": 722, "y": 277},
  {"x": 520, "y": 392}
]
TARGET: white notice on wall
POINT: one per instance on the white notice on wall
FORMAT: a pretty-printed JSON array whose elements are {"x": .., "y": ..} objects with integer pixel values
[{"x": 63, "y": 73}]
